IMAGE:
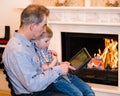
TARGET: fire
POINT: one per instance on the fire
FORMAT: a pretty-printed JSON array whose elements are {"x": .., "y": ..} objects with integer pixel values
[{"x": 110, "y": 54}]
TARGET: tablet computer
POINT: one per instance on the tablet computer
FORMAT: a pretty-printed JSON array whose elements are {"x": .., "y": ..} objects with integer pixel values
[{"x": 80, "y": 60}]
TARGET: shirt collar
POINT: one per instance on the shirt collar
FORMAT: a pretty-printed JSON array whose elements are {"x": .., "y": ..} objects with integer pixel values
[{"x": 23, "y": 39}]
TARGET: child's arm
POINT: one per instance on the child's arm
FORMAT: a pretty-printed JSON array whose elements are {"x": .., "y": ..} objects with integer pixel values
[{"x": 54, "y": 61}]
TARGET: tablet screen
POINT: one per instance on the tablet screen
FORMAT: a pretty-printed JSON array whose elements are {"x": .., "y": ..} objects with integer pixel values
[{"x": 80, "y": 59}]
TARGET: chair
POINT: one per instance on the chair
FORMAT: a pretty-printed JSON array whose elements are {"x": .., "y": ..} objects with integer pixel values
[
  {"x": 9, "y": 83},
  {"x": 11, "y": 87}
]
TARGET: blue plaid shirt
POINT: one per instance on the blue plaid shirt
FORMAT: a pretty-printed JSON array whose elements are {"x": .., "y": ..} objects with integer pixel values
[
  {"x": 44, "y": 55},
  {"x": 23, "y": 66}
]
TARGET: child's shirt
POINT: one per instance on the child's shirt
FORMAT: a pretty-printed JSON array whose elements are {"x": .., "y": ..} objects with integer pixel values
[{"x": 44, "y": 55}]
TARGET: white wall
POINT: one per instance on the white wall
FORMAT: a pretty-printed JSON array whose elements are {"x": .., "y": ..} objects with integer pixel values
[{"x": 9, "y": 14}]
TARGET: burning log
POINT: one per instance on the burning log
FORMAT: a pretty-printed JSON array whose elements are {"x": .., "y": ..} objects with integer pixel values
[{"x": 109, "y": 58}]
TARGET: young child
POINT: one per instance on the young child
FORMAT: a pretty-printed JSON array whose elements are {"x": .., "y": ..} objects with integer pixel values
[
  {"x": 48, "y": 58},
  {"x": 70, "y": 84}
]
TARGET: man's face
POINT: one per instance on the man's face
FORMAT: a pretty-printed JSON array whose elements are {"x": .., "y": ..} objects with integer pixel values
[{"x": 40, "y": 28}]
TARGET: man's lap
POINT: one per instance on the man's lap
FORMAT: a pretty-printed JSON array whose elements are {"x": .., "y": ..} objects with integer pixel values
[{"x": 49, "y": 91}]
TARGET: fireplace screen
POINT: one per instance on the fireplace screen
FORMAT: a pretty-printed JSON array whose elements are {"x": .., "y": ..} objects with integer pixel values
[{"x": 103, "y": 67}]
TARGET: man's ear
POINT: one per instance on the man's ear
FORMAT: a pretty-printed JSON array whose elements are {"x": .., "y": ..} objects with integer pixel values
[{"x": 32, "y": 26}]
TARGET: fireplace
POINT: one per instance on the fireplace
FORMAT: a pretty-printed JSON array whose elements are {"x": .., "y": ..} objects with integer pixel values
[
  {"x": 107, "y": 73},
  {"x": 92, "y": 20}
]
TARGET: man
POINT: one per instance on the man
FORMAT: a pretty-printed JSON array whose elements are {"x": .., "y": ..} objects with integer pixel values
[{"x": 21, "y": 61}]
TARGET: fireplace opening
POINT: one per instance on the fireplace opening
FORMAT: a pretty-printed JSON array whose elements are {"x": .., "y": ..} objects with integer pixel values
[{"x": 103, "y": 67}]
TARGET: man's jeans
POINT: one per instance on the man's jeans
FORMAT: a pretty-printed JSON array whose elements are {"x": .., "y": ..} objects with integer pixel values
[
  {"x": 49, "y": 91},
  {"x": 77, "y": 87}
]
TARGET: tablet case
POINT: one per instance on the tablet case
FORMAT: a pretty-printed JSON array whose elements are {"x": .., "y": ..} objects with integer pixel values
[{"x": 80, "y": 60}]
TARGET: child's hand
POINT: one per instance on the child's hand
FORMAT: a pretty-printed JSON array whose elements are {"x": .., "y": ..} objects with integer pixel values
[
  {"x": 53, "y": 52},
  {"x": 55, "y": 59},
  {"x": 54, "y": 55}
]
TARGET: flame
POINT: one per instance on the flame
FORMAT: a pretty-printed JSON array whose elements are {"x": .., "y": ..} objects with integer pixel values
[{"x": 110, "y": 53}]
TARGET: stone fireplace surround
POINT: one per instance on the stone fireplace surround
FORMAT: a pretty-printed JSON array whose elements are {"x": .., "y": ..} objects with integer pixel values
[{"x": 102, "y": 20}]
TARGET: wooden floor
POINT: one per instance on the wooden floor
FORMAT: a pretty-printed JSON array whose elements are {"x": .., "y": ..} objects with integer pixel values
[
  {"x": 4, "y": 90},
  {"x": 4, "y": 93}
]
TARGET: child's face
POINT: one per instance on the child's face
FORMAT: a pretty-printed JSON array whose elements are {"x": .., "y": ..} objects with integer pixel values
[{"x": 44, "y": 43}]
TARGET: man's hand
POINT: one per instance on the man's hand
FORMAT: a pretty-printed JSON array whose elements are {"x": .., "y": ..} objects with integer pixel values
[
  {"x": 64, "y": 67},
  {"x": 72, "y": 68}
]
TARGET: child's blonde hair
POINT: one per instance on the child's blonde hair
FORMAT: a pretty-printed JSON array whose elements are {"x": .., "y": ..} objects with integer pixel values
[{"x": 48, "y": 33}]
